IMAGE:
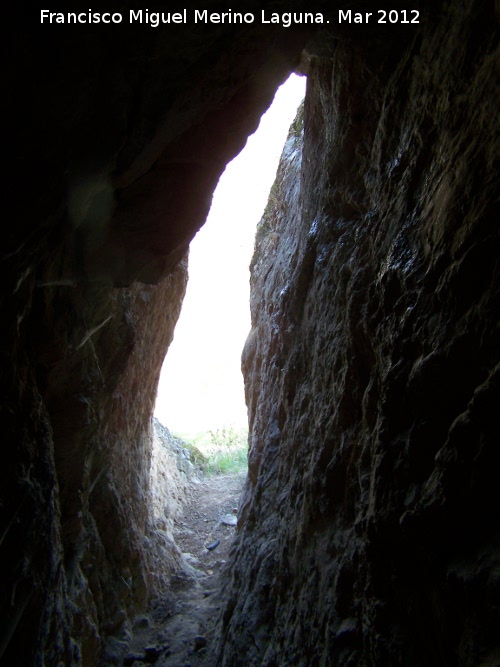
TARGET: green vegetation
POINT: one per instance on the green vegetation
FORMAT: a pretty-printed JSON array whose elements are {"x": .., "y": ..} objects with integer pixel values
[
  {"x": 220, "y": 452},
  {"x": 228, "y": 451},
  {"x": 197, "y": 457},
  {"x": 297, "y": 125},
  {"x": 265, "y": 225}
]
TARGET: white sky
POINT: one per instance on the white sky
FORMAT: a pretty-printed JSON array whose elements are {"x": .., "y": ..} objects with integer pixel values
[{"x": 201, "y": 386}]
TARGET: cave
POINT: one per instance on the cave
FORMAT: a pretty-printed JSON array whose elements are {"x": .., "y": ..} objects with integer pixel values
[{"x": 369, "y": 529}]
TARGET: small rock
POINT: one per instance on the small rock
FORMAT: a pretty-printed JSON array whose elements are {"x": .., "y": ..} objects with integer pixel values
[
  {"x": 214, "y": 545},
  {"x": 190, "y": 558},
  {"x": 149, "y": 656},
  {"x": 114, "y": 650},
  {"x": 229, "y": 520},
  {"x": 152, "y": 653},
  {"x": 199, "y": 642},
  {"x": 133, "y": 659},
  {"x": 141, "y": 622}
]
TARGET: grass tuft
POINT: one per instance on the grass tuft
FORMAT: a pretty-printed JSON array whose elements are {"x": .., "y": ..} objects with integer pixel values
[
  {"x": 227, "y": 451},
  {"x": 220, "y": 452}
]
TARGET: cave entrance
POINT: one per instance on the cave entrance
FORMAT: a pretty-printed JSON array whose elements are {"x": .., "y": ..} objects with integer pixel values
[
  {"x": 201, "y": 395},
  {"x": 201, "y": 416}
]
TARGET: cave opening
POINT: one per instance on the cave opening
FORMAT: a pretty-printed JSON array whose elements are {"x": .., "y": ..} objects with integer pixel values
[
  {"x": 201, "y": 418},
  {"x": 200, "y": 390}
]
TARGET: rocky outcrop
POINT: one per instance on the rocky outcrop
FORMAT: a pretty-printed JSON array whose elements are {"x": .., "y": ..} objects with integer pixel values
[
  {"x": 170, "y": 476},
  {"x": 97, "y": 448},
  {"x": 368, "y": 531}
]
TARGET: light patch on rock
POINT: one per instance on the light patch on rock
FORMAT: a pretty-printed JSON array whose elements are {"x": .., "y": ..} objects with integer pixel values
[{"x": 170, "y": 473}]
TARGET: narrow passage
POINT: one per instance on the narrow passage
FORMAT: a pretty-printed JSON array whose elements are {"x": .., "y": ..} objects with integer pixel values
[{"x": 179, "y": 631}]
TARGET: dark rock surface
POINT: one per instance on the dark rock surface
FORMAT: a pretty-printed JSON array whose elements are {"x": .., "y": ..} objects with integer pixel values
[
  {"x": 369, "y": 529},
  {"x": 116, "y": 139}
]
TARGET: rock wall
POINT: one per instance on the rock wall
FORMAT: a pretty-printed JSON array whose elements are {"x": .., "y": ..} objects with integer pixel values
[
  {"x": 87, "y": 567},
  {"x": 369, "y": 525},
  {"x": 171, "y": 473},
  {"x": 117, "y": 137}
]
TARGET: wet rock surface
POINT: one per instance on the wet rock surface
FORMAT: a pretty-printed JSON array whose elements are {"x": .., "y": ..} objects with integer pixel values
[{"x": 369, "y": 524}]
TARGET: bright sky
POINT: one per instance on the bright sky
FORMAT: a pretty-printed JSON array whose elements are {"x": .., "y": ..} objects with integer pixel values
[{"x": 201, "y": 386}]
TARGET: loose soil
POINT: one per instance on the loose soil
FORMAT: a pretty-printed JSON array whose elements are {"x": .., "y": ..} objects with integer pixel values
[{"x": 179, "y": 629}]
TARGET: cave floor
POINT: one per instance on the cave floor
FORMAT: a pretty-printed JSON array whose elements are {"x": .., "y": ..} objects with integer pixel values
[{"x": 179, "y": 629}]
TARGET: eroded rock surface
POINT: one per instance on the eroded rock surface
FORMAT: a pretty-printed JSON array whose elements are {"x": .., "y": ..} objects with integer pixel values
[
  {"x": 369, "y": 530},
  {"x": 118, "y": 138}
]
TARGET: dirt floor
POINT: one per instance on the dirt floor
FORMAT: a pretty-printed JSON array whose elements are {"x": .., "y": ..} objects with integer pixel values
[{"x": 178, "y": 630}]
